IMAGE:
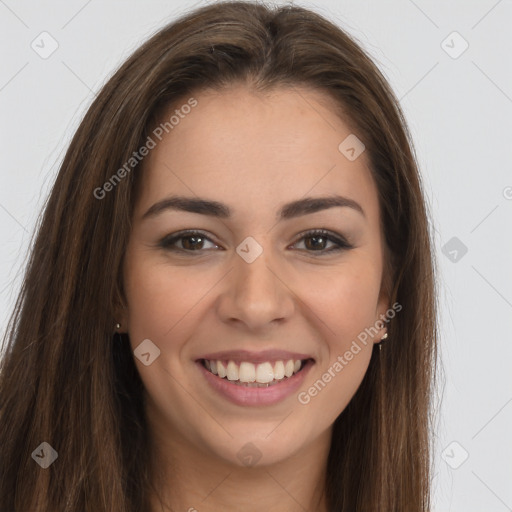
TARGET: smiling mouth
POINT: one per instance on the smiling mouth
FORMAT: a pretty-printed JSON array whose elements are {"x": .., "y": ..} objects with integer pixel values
[{"x": 262, "y": 375}]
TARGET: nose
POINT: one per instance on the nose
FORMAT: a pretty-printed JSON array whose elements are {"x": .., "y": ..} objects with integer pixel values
[{"x": 257, "y": 295}]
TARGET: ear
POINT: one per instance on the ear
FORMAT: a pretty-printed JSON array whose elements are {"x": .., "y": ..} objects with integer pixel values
[
  {"x": 383, "y": 308},
  {"x": 383, "y": 305},
  {"x": 121, "y": 317}
]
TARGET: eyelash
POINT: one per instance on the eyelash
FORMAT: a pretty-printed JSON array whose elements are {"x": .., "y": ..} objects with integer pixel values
[{"x": 341, "y": 244}]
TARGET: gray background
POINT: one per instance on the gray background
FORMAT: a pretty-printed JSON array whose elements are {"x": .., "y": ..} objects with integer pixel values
[{"x": 459, "y": 107}]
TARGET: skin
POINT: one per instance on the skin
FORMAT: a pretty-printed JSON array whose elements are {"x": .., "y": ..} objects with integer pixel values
[{"x": 254, "y": 153}]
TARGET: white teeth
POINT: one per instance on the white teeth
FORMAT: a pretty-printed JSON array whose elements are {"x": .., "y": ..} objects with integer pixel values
[
  {"x": 232, "y": 371},
  {"x": 279, "y": 370},
  {"x": 264, "y": 373},
  {"x": 221, "y": 369},
  {"x": 247, "y": 372}
]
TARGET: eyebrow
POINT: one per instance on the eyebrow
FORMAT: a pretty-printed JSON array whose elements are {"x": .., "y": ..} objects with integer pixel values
[{"x": 215, "y": 209}]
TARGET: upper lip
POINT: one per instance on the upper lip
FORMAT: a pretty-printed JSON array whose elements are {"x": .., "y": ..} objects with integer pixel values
[{"x": 239, "y": 356}]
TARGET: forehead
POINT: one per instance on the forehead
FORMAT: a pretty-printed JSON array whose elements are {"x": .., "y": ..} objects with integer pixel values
[{"x": 253, "y": 149}]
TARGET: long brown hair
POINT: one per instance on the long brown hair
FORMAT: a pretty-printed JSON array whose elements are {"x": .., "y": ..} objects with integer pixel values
[{"x": 65, "y": 381}]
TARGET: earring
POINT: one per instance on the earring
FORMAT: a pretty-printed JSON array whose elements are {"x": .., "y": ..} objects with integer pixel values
[
  {"x": 383, "y": 338},
  {"x": 118, "y": 326}
]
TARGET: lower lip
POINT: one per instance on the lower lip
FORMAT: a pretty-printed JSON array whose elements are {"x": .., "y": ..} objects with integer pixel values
[{"x": 242, "y": 395}]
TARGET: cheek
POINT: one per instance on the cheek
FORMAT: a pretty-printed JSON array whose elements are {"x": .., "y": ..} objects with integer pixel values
[
  {"x": 346, "y": 310},
  {"x": 347, "y": 301},
  {"x": 160, "y": 298},
  {"x": 347, "y": 307}
]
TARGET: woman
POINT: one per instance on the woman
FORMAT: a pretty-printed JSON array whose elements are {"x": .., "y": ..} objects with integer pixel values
[{"x": 230, "y": 301}]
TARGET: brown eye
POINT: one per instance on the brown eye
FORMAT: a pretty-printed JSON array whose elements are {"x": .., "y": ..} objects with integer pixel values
[
  {"x": 318, "y": 240},
  {"x": 191, "y": 241}
]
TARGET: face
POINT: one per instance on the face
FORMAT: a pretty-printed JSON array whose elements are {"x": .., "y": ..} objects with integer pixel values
[{"x": 264, "y": 271}]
